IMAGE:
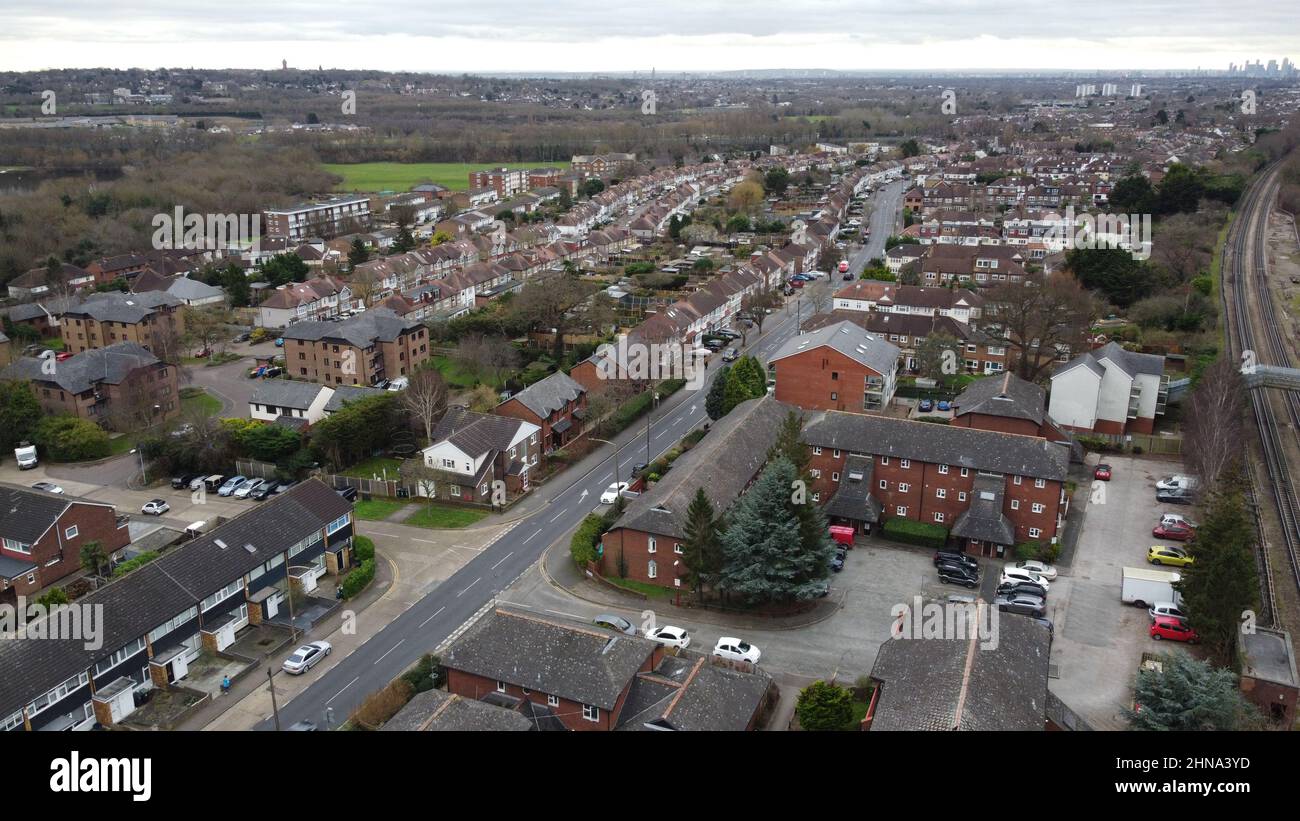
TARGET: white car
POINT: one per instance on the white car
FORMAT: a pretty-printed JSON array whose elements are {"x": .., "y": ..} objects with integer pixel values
[
  {"x": 610, "y": 496},
  {"x": 669, "y": 636},
  {"x": 248, "y": 487},
  {"x": 401, "y": 383},
  {"x": 47, "y": 487},
  {"x": 1169, "y": 519},
  {"x": 155, "y": 507},
  {"x": 1177, "y": 481},
  {"x": 306, "y": 657},
  {"x": 1167, "y": 608},
  {"x": 1047, "y": 571},
  {"x": 1014, "y": 575},
  {"x": 733, "y": 649}
]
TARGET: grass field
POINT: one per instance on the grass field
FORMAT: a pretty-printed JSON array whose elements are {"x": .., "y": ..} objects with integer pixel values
[
  {"x": 380, "y": 466},
  {"x": 398, "y": 176},
  {"x": 376, "y": 509},
  {"x": 431, "y": 515},
  {"x": 456, "y": 375},
  {"x": 201, "y": 403}
]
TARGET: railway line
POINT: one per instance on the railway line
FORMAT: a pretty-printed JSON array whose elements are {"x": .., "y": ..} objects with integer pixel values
[{"x": 1253, "y": 327}]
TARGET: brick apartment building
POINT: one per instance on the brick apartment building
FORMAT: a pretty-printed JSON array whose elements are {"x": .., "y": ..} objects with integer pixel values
[
  {"x": 556, "y": 404},
  {"x": 41, "y": 536},
  {"x": 599, "y": 165},
  {"x": 341, "y": 215},
  {"x": 122, "y": 386},
  {"x": 976, "y": 352},
  {"x": 362, "y": 350},
  {"x": 154, "y": 320},
  {"x": 838, "y": 367},
  {"x": 1008, "y": 404},
  {"x": 505, "y": 181},
  {"x": 991, "y": 490}
]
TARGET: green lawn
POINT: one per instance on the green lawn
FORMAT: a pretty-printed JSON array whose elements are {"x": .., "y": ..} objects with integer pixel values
[
  {"x": 121, "y": 444},
  {"x": 457, "y": 376},
  {"x": 444, "y": 516},
  {"x": 651, "y": 590},
  {"x": 374, "y": 466},
  {"x": 377, "y": 509},
  {"x": 200, "y": 404},
  {"x": 399, "y": 176}
]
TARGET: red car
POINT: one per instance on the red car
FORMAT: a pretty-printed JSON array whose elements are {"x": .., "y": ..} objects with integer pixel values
[
  {"x": 61, "y": 357},
  {"x": 1102, "y": 472},
  {"x": 1179, "y": 533},
  {"x": 796, "y": 283},
  {"x": 1168, "y": 627}
]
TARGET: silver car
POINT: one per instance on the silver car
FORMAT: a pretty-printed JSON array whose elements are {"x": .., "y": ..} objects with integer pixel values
[
  {"x": 248, "y": 487},
  {"x": 306, "y": 657}
]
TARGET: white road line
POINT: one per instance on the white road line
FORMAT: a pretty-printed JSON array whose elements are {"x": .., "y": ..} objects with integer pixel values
[
  {"x": 385, "y": 655},
  {"x": 340, "y": 692},
  {"x": 526, "y": 541},
  {"x": 431, "y": 618},
  {"x": 607, "y": 477},
  {"x": 503, "y": 558},
  {"x": 471, "y": 584},
  {"x": 558, "y": 515},
  {"x": 566, "y": 615}
]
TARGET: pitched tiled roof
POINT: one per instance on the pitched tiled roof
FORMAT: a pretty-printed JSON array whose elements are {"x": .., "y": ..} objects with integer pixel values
[
  {"x": 848, "y": 339},
  {"x": 114, "y": 306},
  {"x": 79, "y": 373},
  {"x": 375, "y": 325},
  {"x": 984, "y": 519},
  {"x": 436, "y": 710},
  {"x": 285, "y": 393},
  {"x": 1003, "y": 394},
  {"x": 550, "y": 394},
  {"x": 477, "y": 433}
]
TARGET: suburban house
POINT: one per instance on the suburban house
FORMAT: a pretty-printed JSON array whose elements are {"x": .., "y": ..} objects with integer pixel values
[
  {"x": 556, "y": 404},
  {"x": 316, "y": 298},
  {"x": 38, "y": 283},
  {"x": 960, "y": 684},
  {"x": 121, "y": 386},
  {"x": 1006, "y": 403},
  {"x": 341, "y": 215},
  {"x": 566, "y": 675},
  {"x": 471, "y": 451},
  {"x": 868, "y": 469},
  {"x": 42, "y": 316},
  {"x": 360, "y": 350},
  {"x": 41, "y": 536},
  {"x": 440, "y": 711},
  {"x": 1109, "y": 390},
  {"x": 193, "y": 599},
  {"x": 189, "y": 291},
  {"x": 838, "y": 367},
  {"x": 341, "y": 395},
  {"x": 871, "y": 295},
  {"x": 302, "y": 403},
  {"x": 645, "y": 543},
  {"x": 153, "y": 320}
]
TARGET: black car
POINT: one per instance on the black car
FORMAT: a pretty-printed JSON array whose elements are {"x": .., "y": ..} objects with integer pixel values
[
  {"x": 837, "y": 562},
  {"x": 283, "y": 486},
  {"x": 1174, "y": 497},
  {"x": 349, "y": 493},
  {"x": 959, "y": 567},
  {"x": 1022, "y": 604},
  {"x": 638, "y": 469},
  {"x": 1016, "y": 588},
  {"x": 244, "y": 337},
  {"x": 182, "y": 482},
  {"x": 715, "y": 344},
  {"x": 951, "y": 575},
  {"x": 942, "y": 556},
  {"x": 263, "y": 491}
]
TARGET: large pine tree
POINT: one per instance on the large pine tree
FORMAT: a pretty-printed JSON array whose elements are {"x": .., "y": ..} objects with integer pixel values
[
  {"x": 1189, "y": 694},
  {"x": 702, "y": 550},
  {"x": 715, "y": 402},
  {"x": 1222, "y": 581}
]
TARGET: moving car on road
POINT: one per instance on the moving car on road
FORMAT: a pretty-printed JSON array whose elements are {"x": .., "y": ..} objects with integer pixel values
[
  {"x": 733, "y": 649},
  {"x": 48, "y": 487},
  {"x": 669, "y": 636},
  {"x": 611, "y": 494},
  {"x": 306, "y": 657}
]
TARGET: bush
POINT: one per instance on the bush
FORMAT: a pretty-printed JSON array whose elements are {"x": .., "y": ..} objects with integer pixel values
[
  {"x": 363, "y": 547},
  {"x": 383, "y": 705},
  {"x": 823, "y": 706},
  {"x": 582, "y": 547},
  {"x": 53, "y": 596},
  {"x": 358, "y": 579},
  {"x": 133, "y": 564},
  {"x": 924, "y": 534},
  {"x": 69, "y": 439},
  {"x": 427, "y": 674}
]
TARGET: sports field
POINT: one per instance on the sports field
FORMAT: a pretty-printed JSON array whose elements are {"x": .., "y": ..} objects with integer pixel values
[{"x": 400, "y": 176}]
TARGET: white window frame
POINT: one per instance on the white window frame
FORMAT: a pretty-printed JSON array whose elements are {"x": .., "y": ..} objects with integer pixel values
[
  {"x": 938, "y": 517},
  {"x": 941, "y": 493},
  {"x": 1040, "y": 483},
  {"x": 71, "y": 532},
  {"x": 651, "y": 546},
  {"x": 943, "y": 469},
  {"x": 904, "y": 487},
  {"x": 591, "y": 712},
  {"x": 1038, "y": 507},
  {"x": 900, "y": 510},
  {"x": 1034, "y": 533},
  {"x": 1015, "y": 504}
]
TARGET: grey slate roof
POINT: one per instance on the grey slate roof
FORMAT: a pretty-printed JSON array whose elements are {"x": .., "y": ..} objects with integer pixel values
[
  {"x": 285, "y": 393},
  {"x": 925, "y": 681},
  {"x": 477, "y": 433},
  {"x": 550, "y": 394},
  {"x": 723, "y": 463},
  {"x": 26, "y": 513},
  {"x": 1007, "y": 453},
  {"x": 13, "y": 568},
  {"x": 853, "y": 499},
  {"x": 114, "y": 306},
  {"x": 1004, "y": 394},
  {"x": 188, "y": 289},
  {"x": 584, "y": 664},
  {"x": 849, "y": 339},
  {"x": 175, "y": 581},
  {"x": 344, "y": 394},
  {"x": 1130, "y": 362},
  {"x": 40, "y": 308},
  {"x": 436, "y": 710},
  {"x": 984, "y": 519},
  {"x": 376, "y": 324},
  {"x": 690, "y": 694},
  {"x": 111, "y": 364}
]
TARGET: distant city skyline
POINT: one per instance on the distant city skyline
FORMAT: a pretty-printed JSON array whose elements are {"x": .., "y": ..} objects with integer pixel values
[{"x": 565, "y": 36}]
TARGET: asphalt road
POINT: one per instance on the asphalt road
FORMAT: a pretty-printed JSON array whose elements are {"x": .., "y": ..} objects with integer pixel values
[
  {"x": 885, "y": 220},
  {"x": 431, "y": 621}
]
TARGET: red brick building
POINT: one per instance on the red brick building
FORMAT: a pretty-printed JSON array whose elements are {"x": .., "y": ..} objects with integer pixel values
[
  {"x": 977, "y": 353},
  {"x": 1008, "y": 404},
  {"x": 42, "y": 533},
  {"x": 838, "y": 367},
  {"x": 556, "y": 404}
]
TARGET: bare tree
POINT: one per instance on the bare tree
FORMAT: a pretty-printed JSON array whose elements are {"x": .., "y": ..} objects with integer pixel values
[
  {"x": 1037, "y": 319},
  {"x": 1214, "y": 428},
  {"x": 486, "y": 355},
  {"x": 364, "y": 284},
  {"x": 426, "y": 398}
]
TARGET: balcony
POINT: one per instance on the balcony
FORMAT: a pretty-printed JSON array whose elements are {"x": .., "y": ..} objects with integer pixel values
[
  {"x": 1162, "y": 395},
  {"x": 1134, "y": 401}
]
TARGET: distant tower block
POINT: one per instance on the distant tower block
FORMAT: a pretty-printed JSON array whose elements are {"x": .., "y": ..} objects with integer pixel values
[
  {"x": 1136, "y": 90},
  {"x": 284, "y": 65}
]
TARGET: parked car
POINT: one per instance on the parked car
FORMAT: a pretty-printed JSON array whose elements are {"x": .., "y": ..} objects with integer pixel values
[
  {"x": 1167, "y": 627},
  {"x": 401, "y": 383},
  {"x": 1102, "y": 472},
  {"x": 611, "y": 494},
  {"x": 155, "y": 507},
  {"x": 349, "y": 493},
  {"x": 183, "y": 481},
  {"x": 1177, "y": 519},
  {"x": 272, "y": 372},
  {"x": 638, "y": 469},
  {"x": 262, "y": 491},
  {"x": 944, "y": 405},
  {"x": 1022, "y": 604},
  {"x": 48, "y": 487},
  {"x": 669, "y": 636},
  {"x": 728, "y": 333},
  {"x": 214, "y": 482},
  {"x": 731, "y": 355},
  {"x": 1177, "y": 481},
  {"x": 231, "y": 484},
  {"x": 248, "y": 487},
  {"x": 715, "y": 344},
  {"x": 244, "y": 337},
  {"x": 303, "y": 726},
  {"x": 837, "y": 561},
  {"x": 1016, "y": 588},
  {"x": 1046, "y": 622},
  {"x": 306, "y": 657},
  {"x": 1176, "y": 532},
  {"x": 1035, "y": 568},
  {"x": 949, "y": 574},
  {"x": 1014, "y": 574},
  {"x": 926, "y": 406},
  {"x": 62, "y": 356},
  {"x": 1173, "y": 556},
  {"x": 733, "y": 649},
  {"x": 196, "y": 482},
  {"x": 611, "y": 622},
  {"x": 1177, "y": 496},
  {"x": 1167, "y": 609},
  {"x": 279, "y": 342},
  {"x": 941, "y": 556}
]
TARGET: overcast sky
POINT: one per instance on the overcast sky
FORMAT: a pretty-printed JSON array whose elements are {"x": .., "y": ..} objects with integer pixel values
[{"x": 670, "y": 35}]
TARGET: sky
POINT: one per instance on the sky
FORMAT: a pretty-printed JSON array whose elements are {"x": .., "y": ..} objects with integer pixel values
[{"x": 560, "y": 36}]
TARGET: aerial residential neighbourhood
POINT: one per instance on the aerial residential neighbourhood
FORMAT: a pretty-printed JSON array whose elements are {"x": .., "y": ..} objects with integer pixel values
[{"x": 541, "y": 374}]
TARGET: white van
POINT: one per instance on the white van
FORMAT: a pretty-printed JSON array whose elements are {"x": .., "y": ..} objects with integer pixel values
[{"x": 195, "y": 530}]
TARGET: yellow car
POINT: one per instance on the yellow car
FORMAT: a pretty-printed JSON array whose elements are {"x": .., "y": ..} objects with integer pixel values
[{"x": 1174, "y": 556}]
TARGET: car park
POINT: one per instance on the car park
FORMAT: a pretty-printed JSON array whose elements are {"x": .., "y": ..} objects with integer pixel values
[
  {"x": 306, "y": 657},
  {"x": 1035, "y": 568},
  {"x": 925, "y": 406},
  {"x": 612, "y": 493},
  {"x": 48, "y": 487},
  {"x": 1022, "y": 604},
  {"x": 669, "y": 636},
  {"x": 733, "y": 649},
  {"x": 948, "y": 557},
  {"x": 611, "y": 622},
  {"x": 1102, "y": 472},
  {"x": 1167, "y": 627},
  {"x": 231, "y": 485},
  {"x": 1176, "y": 532},
  {"x": 952, "y": 575},
  {"x": 248, "y": 487},
  {"x": 1168, "y": 609},
  {"x": 155, "y": 507},
  {"x": 1013, "y": 574},
  {"x": 1167, "y": 555}
]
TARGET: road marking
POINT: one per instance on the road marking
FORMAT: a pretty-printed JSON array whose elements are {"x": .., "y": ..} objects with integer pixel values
[
  {"x": 566, "y": 615},
  {"x": 607, "y": 476},
  {"x": 431, "y": 618},
  {"x": 385, "y": 655},
  {"x": 503, "y": 558},
  {"x": 471, "y": 584},
  {"x": 660, "y": 433},
  {"x": 526, "y": 541},
  {"x": 558, "y": 515},
  {"x": 340, "y": 692}
]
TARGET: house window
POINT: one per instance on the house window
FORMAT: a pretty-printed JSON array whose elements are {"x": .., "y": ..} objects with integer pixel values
[
  {"x": 941, "y": 493},
  {"x": 835, "y": 476},
  {"x": 904, "y": 487},
  {"x": 71, "y": 533},
  {"x": 553, "y": 701},
  {"x": 677, "y": 548},
  {"x": 905, "y": 463},
  {"x": 1040, "y": 483},
  {"x": 651, "y": 545},
  {"x": 961, "y": 496},
  {"x": 817, "y": 497},
  {"x": 817, "y": 451},
  {"x": 338, "y": 524},
  {"x": 943, "y": 469},
  {"x": 455, "y": 491},
  {"x": 501, "y": 686},
  {"x": 884, "y": 460},
  {"x": 901, "y": 510},
  {"x": 1015, "y": 481},
  {"x": 1015, "y": 504},
  {"x": 884, "y": 485},
  {"x": 816, "y": 474},
  {"x": 1038, "y": 508},
  {"x": 965, "y": 472},
  {"x": 834, "y": 396},
  {"x": 1034, "y": 533},
  {"x": 652, "y": 569},
  {"x": 590, "y": 712},
  {"x": 938, "y": 517}
]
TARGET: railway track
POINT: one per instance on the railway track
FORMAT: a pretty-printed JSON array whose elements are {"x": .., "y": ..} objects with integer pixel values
[{"x": 1245, "y": 263}]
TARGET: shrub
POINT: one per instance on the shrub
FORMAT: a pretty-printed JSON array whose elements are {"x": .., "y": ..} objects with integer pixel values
[
  {"x": 823, "y": 706},
  {"x": 383, "y": 705},
  {"x": 582, "y": 547},
  {"x": 133, "y": 564},
  {"x": 924, "y": 534},
  {"x": 427, "y": 674},
  {"x": 358, "y": 579},
  {"x": 363, "y": 547},
  {"x": 53, "y": 596},
  {"x": 69, "y": 439}
]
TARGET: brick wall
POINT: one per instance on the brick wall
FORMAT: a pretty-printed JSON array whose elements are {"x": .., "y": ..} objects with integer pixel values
[{"x": 822, "y": 379}]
